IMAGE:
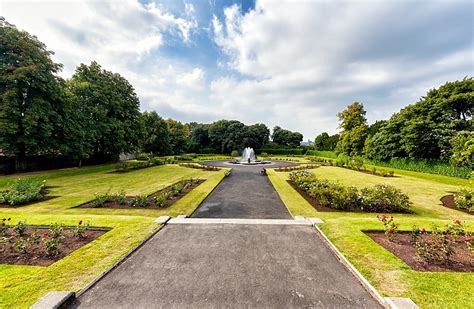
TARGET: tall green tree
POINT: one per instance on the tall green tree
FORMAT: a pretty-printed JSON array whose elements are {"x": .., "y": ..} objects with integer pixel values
[
  {"x": 355, "y": 130},
  {"x": 156, "y": 135},
  {"x": 178, "y": 136},
  {"x": 30, "y": 95},
  {"x": 327, "y": 142},
  {"x": 286, "y": 138},
  {"x": 426, "y": 129},
  {"x": 112, "y": 105}
]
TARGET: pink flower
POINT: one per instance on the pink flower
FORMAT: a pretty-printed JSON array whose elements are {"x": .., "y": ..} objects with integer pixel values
[{"x": 468, "y": 238}]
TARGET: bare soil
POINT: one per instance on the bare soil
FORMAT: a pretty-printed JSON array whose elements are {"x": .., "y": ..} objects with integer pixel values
[
  {"x": 151, "y": 199},
  {"x": 448, "y": 201},
  {"x": 44, "y": 197},
  {"x": 402, "y": 246},
  {"x": 36, "y": 254}
]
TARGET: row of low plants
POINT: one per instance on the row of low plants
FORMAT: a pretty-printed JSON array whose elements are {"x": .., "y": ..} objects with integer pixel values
[
  {"x": 160, "y": 198},
  {"x": 435, "y": 247},
  {"x": 282, "y": 151},
  {"x": 464, "y": 199},
  {"x": 416, "y": 165},
  {"x": 426, "y": 166},
  {"x": 47, "y": 240},
  {"x": 353, "y": 163},
  {"x": 126, "y": 166},
  {"x": 23, "y": 191},
  {"x": 380, "y": 198},
  {"x": 297, "y": 168},
  {"x": 200, "y": 166}
]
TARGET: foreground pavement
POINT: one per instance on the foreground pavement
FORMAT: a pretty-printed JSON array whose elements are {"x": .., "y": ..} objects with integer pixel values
[{"x": 232, "y": 266}]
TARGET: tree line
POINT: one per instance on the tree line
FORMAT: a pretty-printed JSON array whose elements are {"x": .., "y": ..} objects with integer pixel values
[
  {"x": 96, "y": 113},
  {"x": 437, "y": 127}
]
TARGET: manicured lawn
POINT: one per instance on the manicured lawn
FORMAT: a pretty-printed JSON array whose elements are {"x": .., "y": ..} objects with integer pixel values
[
  {"x": 390, "y": 275},
  {"x": 22, "y": 286}
]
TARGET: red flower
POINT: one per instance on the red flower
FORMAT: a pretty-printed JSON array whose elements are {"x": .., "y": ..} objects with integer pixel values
[
  {"x": 45, "y": 234},
  {"x": 457, "y": 221},
  {"x": 80, "y": 222},
  {"x": 468, "y": 238}
]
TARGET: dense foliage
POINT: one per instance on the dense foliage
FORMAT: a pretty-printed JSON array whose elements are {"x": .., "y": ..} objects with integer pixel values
[
  {"x": 22, "y": 191},
  {"x": 380, "y": 198},
  {"x": 326, "y": 142},
  {"x": 464, "y": 199},
  {"x": 286, "y": 138}
]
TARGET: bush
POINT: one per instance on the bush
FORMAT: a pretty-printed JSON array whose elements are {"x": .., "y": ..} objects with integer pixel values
[
  {"x": 320, "y": 153},
  {"x": 380, "y": 198},
  {"x": 283, "y": 151},
  {"x": 139, "y": 201},
  {"x": 22, "y": 191},
  {"x": 464, "y": 199},
  {"x": 234, "y": 153},
  {"x": 384, "y": 198}
]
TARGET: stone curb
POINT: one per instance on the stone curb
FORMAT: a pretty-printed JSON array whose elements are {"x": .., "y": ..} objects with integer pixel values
[
  {"x": 184, "y": 220},
  {"x": 55, "y": 300},
  {"x": 387, "y": 302}
]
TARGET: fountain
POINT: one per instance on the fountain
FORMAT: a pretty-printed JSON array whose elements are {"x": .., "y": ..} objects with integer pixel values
[{"x": 249, "y": 158}]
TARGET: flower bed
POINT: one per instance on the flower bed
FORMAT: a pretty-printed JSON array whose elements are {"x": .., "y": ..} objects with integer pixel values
[
  {"x": 24, "y": 191},
  {"x": 380, "y": 198},
  {"x": 296, "y": 168},
  {"x": 161, "y": 199},
  {"x": 443, "y": 249},
  {"x": 21, "y": 244},
  {"x": 449, "y": 202}
]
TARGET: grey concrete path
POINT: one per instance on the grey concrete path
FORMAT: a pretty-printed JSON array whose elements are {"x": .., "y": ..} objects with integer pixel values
[
  {"x": 230, "y": 266},
  {"x": 244, "y": 194}
]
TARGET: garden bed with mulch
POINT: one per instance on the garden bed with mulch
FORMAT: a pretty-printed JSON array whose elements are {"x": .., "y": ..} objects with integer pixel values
[
  {"x": 448, "y": 201},
  {"x": 314, "y": 202},
  {"x": 402, "y": 246},
  {"x": 150, "y": 198},
  {"x": 36, "y": 255},
  {"x": 44, "y": 197}
]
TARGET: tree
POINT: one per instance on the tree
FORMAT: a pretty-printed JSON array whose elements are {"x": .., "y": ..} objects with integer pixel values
[
  {"x": 30, "y": 95},
  {"x": 260, "y": 133},
  {"x": 156, "y": 135},
  {"x": 198, "y": 137},
  {"x": 286, "y": 138},
  {"x": 178, "y": 136},
  {"x": 425, "y": 130},
  {"x": 463, "y": 149},
  {"x": 111, "y": 104},
  {"x": 355, "y": 130},
  {"x": 326, "y": 142}
]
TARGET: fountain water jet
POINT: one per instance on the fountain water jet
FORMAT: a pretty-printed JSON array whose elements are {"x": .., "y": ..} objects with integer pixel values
[{"x": 249, "y": 158}]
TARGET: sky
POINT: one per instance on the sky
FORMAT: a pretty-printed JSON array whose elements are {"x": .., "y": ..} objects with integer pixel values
[{"x": 294, "y": 64}]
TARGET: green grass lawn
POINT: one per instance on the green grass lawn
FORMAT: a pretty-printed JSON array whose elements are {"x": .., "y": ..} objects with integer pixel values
[
  {"x": 22, "y": 286},
  {"x": 390, "y": 275}
]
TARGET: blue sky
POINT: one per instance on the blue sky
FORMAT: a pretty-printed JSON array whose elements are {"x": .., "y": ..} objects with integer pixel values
[{"x": 295, "y": 64}]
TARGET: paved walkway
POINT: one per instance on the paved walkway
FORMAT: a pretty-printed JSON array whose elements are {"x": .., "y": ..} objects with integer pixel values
[
  {"x": 221, "y": 264},
  {"x": 230, "y": 266},
  {"x": 244, "y": 194}
]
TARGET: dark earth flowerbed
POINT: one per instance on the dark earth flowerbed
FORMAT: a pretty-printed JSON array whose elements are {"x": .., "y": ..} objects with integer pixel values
[
  {"x": 36, "y": 256},
  {"x": 44, "y": 197},
  {"x": 403, "y": 247},
  {"x": 311, "y": 200},
  {"x": 448, "y": 201},
  {"x": 150, "y": 198}
]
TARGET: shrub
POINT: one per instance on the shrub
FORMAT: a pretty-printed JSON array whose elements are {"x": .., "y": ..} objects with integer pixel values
[
  {"x": 139, "y": 201},
  {"x": 264, "y": 155},
  {"x": 20, "y": 228},
  {"x": 384, "y": 198},
  {"x": 21, "y": 245},
  {"x": 464, "y": 199},
  {"x": 80, "y": 229},
  {"x": 234, "y": 153},
  {"x": 22, "y": 191},
  {"x": 101, "y": 199},
  {"x": 4, "y": 226},
  {"x": 156, "y": 161},
  {"x": 436, "y": 250},
  {"x": 381, "y": 198},
  {"x": 56, "y": 230},
  {"x": 390, "y": 227},
  {"x": 52, "y": 246}
]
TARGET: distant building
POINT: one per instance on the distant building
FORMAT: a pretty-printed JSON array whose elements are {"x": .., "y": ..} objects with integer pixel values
[{"x": 307, "y": 143}]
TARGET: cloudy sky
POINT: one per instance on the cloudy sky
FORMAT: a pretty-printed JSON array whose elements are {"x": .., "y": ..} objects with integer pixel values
[{"x": 288, "y": 63}]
